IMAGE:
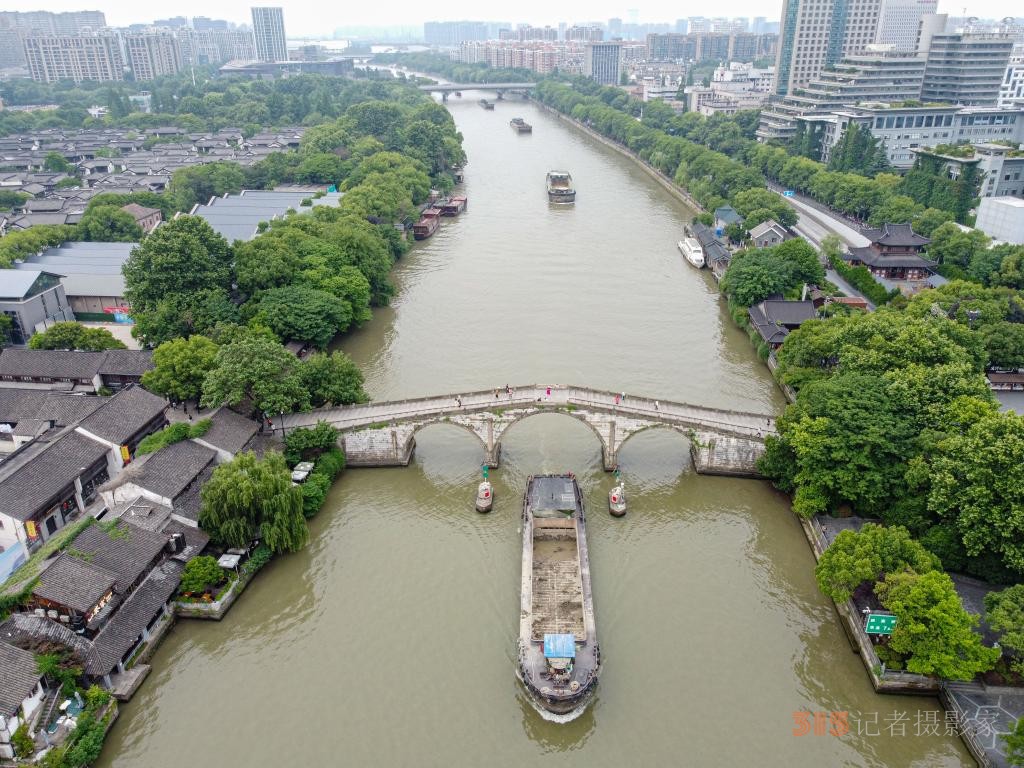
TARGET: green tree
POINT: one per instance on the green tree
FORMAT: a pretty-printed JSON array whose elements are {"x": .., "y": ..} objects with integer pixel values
[
  {"x": 201, "y": 573},
  {"x": 54, "y": 162},
  {"x": 306, "y": 443},
  {"x": 301, "y": 313},
  {"x": 258, "y": 372},
  {"x": 250, "y": 498},
  {"x": 978, "y": 481},
  {"x": 71, "y": 335},
  {"x": 109, "y": 224},
  {"x": 951, "y": 245},
  {"x": 332, "y": 379},
  {"x": 932, "y": 627},
  {"x": 1014, "y": 742},
  {"x": 180, "y": 367},
  {"x": 199, "y": 183},
  {"x": 1004, "y": 613},
  {"x": 865, "y": 556}
]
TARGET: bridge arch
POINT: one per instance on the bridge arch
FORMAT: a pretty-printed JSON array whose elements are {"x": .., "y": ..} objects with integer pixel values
[
  {"x": 500, "y": 434},
  {"x": 685, "y": 432},
  {"x": 418, "y": 427}
]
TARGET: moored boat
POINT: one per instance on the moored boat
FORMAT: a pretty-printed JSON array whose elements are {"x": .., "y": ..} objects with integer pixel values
[
  {"x": 427, "y": 225},
  {"x": 453, "y": 206},
  {"x": 691, "y": 249},
  {"x": 559, "y": 657},
  {"x": 560, "y": 189}
]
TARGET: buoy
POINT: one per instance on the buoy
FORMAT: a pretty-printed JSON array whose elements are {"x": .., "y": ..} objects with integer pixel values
[
  {"x": 617, "y": 501},
  {"x": 484, "y": 497}
]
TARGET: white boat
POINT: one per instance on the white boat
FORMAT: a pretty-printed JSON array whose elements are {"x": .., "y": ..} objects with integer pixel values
[{"x": 691, "y": 249}]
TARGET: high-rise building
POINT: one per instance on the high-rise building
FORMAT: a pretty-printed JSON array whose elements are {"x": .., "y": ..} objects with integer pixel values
[
  {"x": 152, "y": 54},
  {"x": 175, "y": 22},
  {"x": 819, "y": 33},
  {"x": 1011, "y": 92},
  {"x": 204, "y": 23},
  {"x": 453, "y": 33},
  {"x": 966, "y": 68},
  {"x": 614, "y": 27},
  {"x": 585, "y": 34},
  {"x": 47, "y": 23},
  {"x": 682, "y": 26},
  {"x": 603, "y": 62},
  {"x": 900, "y": 20},
  {"x": 215, "y": 46},
  {"x": 74, "y": 57},
  {"x": 268, "y": 31}
]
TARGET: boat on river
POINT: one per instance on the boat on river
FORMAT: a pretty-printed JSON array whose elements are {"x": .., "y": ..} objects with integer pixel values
[
  {"x": 486, "y": 104},
  {"x": 520, "y": 125},
  {"x": 427, "y": 225},
  {"x": 691, "y": 249},
  {"x": 560, "y": 189},
  {"x": 559, "y": 657},
  {"x": 453, "y": 206}
]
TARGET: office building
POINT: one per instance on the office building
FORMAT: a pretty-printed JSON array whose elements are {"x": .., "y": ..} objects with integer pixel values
[
  {"x": 966, "y": 68},
  {"x": 449, "y": 34},
  {"x": 900, "y": 20},
  {"x": 152, "y": 54},
  {"x": 816, "y": 34},
  {"x": 877, "y": 75},
  {"x": 74, "y": 57},
  {"x": 603, "y": 62},
  {"x": 204, "y": 24},
  {"x": 1011, "y": 92},
  {"x": 268, "y": 31},
  {"x": 1002, "y": 218}
]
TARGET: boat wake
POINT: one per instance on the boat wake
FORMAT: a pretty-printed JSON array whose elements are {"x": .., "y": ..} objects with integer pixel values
[{"x": 552, "y": 717}]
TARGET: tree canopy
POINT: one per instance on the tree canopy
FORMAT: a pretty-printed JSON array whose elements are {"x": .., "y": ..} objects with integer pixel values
[
  {"x": 71, "y": 335},
  {"x": 180, "y": 367}
]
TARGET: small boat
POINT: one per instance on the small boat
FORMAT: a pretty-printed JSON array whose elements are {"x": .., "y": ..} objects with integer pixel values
[
  {"x": 617, "y": 501},
  {"x": 453, "y": 206},
  {"x": 690, "y": 248},
  {"x": 427, "y": 225},
  {"x": 560, "y": 189},
  {"x": 486, "y": 104},
  {"x": 559, "y": 657},
  {"x": 458, "y": 94},
  {"x": 484, "y": 497},
  {"x": 520, "y": 125}
]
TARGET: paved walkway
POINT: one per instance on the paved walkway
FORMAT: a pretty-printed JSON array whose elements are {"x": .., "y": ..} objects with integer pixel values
[{"x": 697, "y": 417}]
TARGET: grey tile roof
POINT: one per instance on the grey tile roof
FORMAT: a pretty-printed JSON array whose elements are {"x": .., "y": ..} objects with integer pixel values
[
  {"x": 788, "y": 312},
  {"x": 896, "y": 235},
  {"x": 170, "y": 470},
  {"x": 126, "y": 362},
  {"x": 26, "y": 629},
  {"x": 871, "y": 257},
  {"x": 188, "y": 504},
  {"x": 19, "y": 675},
  {"x": 196, "y": 539},
  {"x": 37, "y": 482},
  {"x": 121, "y": 632},
  {"x": 72, "y": 581},
  {"x": 229, "y": 431},
  {"x": 50, "y": 363},
  {"x": 125, "y": 551},
  {"x": 124, "y": 415},
  {"x": 63, "y": 409}
]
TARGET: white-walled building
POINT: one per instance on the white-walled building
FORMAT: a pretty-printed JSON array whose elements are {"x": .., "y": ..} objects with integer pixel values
[
  {"x": 1002, "y": 218},
  {"x": 899, "y": 20}
]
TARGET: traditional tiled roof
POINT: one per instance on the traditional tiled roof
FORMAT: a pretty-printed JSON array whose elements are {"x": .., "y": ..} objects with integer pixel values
[
  {"x": 765, "y": 227},
  {"x": 170, "y": 470},
  {"x": 124, "y": 415},
  {"x": 50, "y": 363},
  {"x": 727, "y": 214},
  {"x": 28, "y": 629},
  {"x": 196, "y": 539},
  {"x": 138, "y": 212},
  {"x": 229, "y": 431},
  {"x": 17, "y": 405},
  {"x": 38, "y": 481},
  {"x": 895, "y": 235},
  {"x": 123, "y": 630},
  {"x": 872, "y": 258},
  {"x": 72, "y": 581},
  {"x": 124, "y": 550},
  {"x": 771, "y": 317},
  {"x": 19, "y": 675},
  {"x": 188, "y": 504},
  {"x": 126, "y": 362}
]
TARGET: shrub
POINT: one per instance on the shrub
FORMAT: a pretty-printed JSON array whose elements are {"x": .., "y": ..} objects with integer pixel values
[
  {"x": 201, "y": 573},
  {"x": 175, "y": 433},
  {"x": 314, "y": 491},
  {"x": 330, "y": 463},
  {"x": 23, "y": 744},
  {"x": 259, "y": 557},
  {"x": 305, "y": 443}
]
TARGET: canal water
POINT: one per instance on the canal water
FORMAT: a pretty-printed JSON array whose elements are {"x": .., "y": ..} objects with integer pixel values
[{"x": 391, "y": 639}]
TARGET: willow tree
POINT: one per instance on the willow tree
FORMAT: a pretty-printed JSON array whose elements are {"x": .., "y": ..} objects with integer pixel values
[{"x": 250, "y": 498}]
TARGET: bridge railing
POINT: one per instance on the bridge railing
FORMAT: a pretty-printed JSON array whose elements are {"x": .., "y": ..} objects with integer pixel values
[{"x": 402, "y": 410}]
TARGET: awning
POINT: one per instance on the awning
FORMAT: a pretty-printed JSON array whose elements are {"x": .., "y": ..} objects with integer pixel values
[{"x": 559, "y": 646}]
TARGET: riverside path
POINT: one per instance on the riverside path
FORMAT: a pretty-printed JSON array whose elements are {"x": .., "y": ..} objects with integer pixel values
[{"x": 383, "y": 433}]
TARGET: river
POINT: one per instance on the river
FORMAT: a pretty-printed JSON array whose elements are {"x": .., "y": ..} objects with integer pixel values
[{"x": 391, "y": 639}]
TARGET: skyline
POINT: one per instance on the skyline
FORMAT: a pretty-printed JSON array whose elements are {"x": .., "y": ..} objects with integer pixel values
[{"x": 308, "y": 21}]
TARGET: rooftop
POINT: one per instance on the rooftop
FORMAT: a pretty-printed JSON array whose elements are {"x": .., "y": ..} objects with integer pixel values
[
  {"x": 229, "y": 431},
  {"x": 19, "y": 675},
  {"x": 170, "y": 470},
  {"x": 124, "y": 415},
  {"x": 124, "y": 550},
  {"x": 74, "y": 582}
]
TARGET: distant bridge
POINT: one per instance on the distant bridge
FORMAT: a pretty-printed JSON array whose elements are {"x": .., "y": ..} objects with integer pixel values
[
  {"x": 383, "y": 433},
  {"x": 499, "y": 88}
]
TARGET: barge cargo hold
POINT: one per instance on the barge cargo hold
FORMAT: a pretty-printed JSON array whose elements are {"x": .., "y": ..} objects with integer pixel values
[
  {"x": 560, "y": 189},
  {"x": 427, "y": 225},
  {"x": 453, "y": 206},
  {"x": 559, "y": 657},
  {"x": 520, "y": 125}
]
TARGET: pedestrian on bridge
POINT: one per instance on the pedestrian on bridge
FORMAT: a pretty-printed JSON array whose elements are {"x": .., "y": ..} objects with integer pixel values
[
  {"x": 657, "y": 406},
  {"x": 616, "y": 399}
]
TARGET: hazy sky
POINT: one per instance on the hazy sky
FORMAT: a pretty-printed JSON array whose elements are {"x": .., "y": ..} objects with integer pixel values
[{"x": 321, "y": 19}]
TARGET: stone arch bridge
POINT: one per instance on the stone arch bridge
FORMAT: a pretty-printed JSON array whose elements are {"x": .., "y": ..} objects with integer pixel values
[{"x": 383, "y": 433}]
